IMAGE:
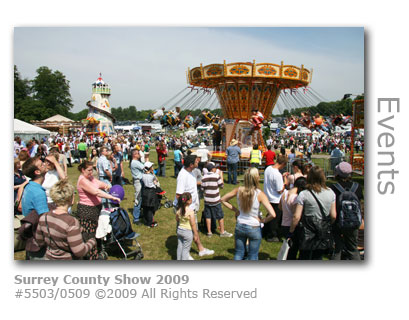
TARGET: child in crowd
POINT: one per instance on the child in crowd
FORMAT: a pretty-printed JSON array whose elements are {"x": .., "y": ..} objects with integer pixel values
[
  {"x": 149, "y": 194},
  {"x": 186, "y": 227},
  {"x": 67, "y": 153},
  {"x": 211, "y": 183}
]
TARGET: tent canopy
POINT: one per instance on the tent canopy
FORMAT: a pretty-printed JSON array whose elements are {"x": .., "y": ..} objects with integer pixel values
[
  {"x": 58, "y": 118},
  {"x": 27, "y": 131}
]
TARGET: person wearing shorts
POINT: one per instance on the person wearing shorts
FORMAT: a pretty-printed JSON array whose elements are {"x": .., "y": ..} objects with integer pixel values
[
  {"x": 211, "y": 183},
  {"x": 82, "y": 148}
]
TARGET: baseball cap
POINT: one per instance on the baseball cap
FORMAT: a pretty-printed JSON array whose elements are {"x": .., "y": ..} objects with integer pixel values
[
  {"x": 148, "y": 165},
  {"x": 210, "y": 166}
]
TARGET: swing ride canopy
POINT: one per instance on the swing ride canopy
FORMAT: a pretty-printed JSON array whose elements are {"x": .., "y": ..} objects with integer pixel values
[{"x": 244, "y": 86}]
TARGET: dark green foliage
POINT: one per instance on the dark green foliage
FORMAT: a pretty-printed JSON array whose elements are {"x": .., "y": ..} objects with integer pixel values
[
  {"x": 45, "y": 96},
  {"x": 324, "y": 108}
]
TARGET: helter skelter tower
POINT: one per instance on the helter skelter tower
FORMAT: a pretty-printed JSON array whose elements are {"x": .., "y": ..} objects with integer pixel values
[
  {"x": 244, "y": 86},
  {"x": 99, "y": 119}
]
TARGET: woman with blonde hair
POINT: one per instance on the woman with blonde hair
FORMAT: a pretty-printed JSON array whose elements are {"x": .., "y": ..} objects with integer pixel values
[
  {"x": 249, "y": 220},
  {"x": 60, "y": 231}
]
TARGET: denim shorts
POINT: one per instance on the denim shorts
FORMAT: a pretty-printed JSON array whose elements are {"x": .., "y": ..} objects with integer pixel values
[{"x": 215, "y": 212}]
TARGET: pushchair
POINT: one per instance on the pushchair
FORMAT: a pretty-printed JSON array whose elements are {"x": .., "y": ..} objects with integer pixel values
[
  {"x": 115, "y": 229},
  {"x": 161, "y": 197}
]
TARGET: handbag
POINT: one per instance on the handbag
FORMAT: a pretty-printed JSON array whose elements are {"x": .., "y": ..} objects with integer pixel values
[
  {"x": 283, "y": 253},
  {"x": 315, "y": 233},
  {"x": 19, "y": 244}
]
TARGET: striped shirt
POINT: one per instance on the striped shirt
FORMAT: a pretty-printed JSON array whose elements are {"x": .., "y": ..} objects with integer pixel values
[
  {"x": 211, "y": 183},
  {"x": 66, "y": 237}
]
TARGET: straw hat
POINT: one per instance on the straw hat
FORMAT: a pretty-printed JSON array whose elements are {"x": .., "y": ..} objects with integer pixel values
[{"x": 233, "y": 142}]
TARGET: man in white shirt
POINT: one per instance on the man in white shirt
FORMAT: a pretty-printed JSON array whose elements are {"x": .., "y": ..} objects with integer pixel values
[
  {"x": 186, "y": 182},
  {"x": 274, "y": 186},
  {"x": 204, "y": 154}
]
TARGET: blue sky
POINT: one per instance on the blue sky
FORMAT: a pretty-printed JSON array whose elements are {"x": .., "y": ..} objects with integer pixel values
[{"x": 146, "y": 66}]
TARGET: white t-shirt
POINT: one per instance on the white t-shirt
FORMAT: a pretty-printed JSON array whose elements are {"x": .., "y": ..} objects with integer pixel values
[
  {"x": 186, "y": 182},
  {"x": 203, "y": 153},
  {"x": 51, "y": 178},
  {"x": 273, "y": 183}
]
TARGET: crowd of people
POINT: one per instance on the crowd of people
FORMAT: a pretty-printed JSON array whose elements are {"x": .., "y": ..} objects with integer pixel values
[{"x": 44, "y": 196}]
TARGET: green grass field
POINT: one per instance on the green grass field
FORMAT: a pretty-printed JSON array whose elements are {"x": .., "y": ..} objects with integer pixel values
[{"x": 160, "y": 243}]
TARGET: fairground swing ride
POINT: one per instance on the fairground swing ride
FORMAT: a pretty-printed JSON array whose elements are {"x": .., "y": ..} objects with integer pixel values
[{"x": 238, "y": 88}]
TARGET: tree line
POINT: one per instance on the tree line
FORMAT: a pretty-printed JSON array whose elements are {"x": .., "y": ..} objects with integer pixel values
[{"x": 48, "y": 94}]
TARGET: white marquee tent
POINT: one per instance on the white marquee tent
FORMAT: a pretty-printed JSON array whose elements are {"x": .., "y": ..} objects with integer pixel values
[{"x": 27, "y": 131}]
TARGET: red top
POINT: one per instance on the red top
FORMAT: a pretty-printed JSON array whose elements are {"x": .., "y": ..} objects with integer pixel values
[
  {"x": 161, "y": 154},
  {"x": 269, "y": 155}
]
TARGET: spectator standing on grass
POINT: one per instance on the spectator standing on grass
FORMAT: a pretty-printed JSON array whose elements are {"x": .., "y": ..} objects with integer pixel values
[
  {"x": 186, "y": 227},
  {"x": 287, "y": 206},
  {"x": 269, "y": 156},
  {"x": 346, "y": 239},
  {"x": 67, "y": 153},
  {"x": 58, "y": 230},
  {"x": 82, "y": 148},
  {"x": 233, "y": 153},
  {"x": 297, "y": 169},
  {"x": 104, "y": 167},
  {"x": 34, "y": 199},
  {"x": 149, "y": 195},
  {"x": 90, "y": 192},
  {"x": 273, "y": 188},
  {"x": 247, "y": 234},
  {"x": 93, "y": 157},
  {"x": 186, "y": 182},
  {"x": 291, "y": 156},
  {"x": 211, "y": 184},
  {"x": 20, "y": 180},
  {"x": 119, "y": 172},
  {"x": 162, "y": 154},
  {"x": 137, "y": 168},
  {"x": 255, "y": 157},
  {"x": 204, "y": 155},
  {"x": 54, "y": 174},
  {"x": 146, "y": 150},
  {"x": 177, "y": 158},
  {"x": 308, "y": 209}
]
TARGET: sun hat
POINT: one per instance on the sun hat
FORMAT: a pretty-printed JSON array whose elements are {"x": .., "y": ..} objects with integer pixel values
[
  {"x": 148, "y": 165},
  {"x": 343, "y": 170},
  {"x": 118, "y": 192},
  {"x": 202, "y": 145},
  {"x": 233, "y": 142}
]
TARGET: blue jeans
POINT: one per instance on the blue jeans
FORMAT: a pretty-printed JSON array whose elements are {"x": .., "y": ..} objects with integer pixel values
[
  {"x": 178, "y": 167},
  {"x": 232, "y": 172},
  {"x": 104, "y": 201},
  {"x": 243, "y": 233}
]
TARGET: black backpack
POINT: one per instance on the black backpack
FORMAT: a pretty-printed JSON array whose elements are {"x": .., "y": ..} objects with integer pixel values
[
  {"x": 348, "y": 207},
  {"x": 121, "y": 224}
]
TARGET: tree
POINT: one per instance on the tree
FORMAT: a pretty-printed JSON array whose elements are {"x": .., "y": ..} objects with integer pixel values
[
  {"x": 22, "y": 98},
  {"x": 52, "y": 92},
  {"x": 79, "y": 115}
]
